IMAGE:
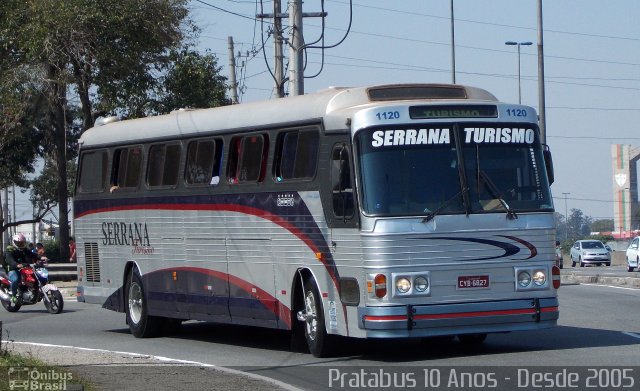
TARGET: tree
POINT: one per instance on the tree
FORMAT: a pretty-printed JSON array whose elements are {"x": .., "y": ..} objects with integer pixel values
[
  {"x": 603, "y": 225},
  {"x": 561, "y": 227},
  {"x": 578, "y": 225},
  {"x": 193, "y": 80},
  {"x": 20, "y": 110},
  {"x": 107, "y": 52}
]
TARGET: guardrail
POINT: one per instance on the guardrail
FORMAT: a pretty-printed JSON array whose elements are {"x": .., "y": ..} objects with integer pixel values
[{"x": 63, "y": 271}]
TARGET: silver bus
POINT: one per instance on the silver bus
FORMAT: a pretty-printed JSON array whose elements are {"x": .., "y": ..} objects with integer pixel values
[{"x": 392, "y": 211}]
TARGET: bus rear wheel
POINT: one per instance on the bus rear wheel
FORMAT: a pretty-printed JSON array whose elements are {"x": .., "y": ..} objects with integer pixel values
[
  {"x": 315, "y": 331},
  {"x": 140, "y": 323}
]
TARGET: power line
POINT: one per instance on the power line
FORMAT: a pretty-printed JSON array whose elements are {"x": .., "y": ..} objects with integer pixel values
[
  {"x": 409, "y": 67},
  {"x": 447, "y": 18},
  {"x": 458, "y": 46},
  {"x": 405, "y": 39},
  {"x": 226, "y": 11}
]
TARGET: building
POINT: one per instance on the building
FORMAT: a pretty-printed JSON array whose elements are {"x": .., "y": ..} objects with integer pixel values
[{"x": 625, "y": 190}]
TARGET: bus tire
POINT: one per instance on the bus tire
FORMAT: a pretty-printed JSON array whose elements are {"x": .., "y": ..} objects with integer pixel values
[
  {"x": 140, "y": 323},
  {"x": 315, "y": 331}
]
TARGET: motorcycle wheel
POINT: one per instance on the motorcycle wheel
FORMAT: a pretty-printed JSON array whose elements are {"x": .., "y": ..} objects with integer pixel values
[
  {"x": 55, "y": 303},
  {"x": 9, "y": 306}
]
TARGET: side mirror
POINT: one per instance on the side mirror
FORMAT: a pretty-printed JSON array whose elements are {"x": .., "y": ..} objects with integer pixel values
[{"x": 548, "y": 163}]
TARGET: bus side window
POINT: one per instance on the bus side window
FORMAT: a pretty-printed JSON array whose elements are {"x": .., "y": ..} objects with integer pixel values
[
  {"x": 93, "y": 172},
  {"x": 341, "y": 187},
  {"x": 126, "y": 168},
  {"x": 247, "y": 159},
  {"x": 296, "y": 155},
  {"x": 203, "y": 162},
  {"x": 162, "y": 169}
]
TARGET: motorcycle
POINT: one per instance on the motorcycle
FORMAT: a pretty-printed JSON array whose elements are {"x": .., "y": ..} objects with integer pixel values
[{"x": 33, "y": 287}]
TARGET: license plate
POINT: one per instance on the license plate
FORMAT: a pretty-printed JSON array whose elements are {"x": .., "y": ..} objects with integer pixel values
[{"x": 473, "y": 282}]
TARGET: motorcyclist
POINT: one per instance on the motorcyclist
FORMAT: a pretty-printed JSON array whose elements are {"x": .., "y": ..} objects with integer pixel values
[{"x": 17, "y": 256}]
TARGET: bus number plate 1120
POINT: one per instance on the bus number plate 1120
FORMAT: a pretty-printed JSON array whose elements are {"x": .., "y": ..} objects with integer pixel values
[{"x": 473, "y": 282}]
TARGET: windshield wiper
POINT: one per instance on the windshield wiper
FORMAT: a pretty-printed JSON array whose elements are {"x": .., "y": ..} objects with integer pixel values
[
  {"x": 497, "y": 194},
  {"x": 439, "y": 209}
]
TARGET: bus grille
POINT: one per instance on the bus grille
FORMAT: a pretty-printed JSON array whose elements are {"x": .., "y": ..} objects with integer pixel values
[{"x": 92, "y": 262}]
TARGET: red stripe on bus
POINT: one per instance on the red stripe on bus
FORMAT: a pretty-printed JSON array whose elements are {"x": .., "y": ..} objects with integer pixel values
[
  {"x": 484, "y": 313},
  {"x": 385, "y": 318}
]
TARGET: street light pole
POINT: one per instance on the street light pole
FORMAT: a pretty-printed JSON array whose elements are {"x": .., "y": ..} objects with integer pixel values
[
  {"x": 518, "y": 44},
  {"x": 453, "y": 47},
  {"x": 566, "y": 218}
]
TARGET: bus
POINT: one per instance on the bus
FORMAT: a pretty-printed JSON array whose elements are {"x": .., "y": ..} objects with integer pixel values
[{"x": 390, "y": 211}]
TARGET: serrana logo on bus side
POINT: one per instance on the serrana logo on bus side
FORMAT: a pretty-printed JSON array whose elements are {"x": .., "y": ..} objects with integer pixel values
[
  {"x": 442, "y": 136},
  {"x": 127, "y": 234}
]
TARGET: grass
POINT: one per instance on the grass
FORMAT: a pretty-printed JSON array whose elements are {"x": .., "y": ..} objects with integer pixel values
[{"x": 14, "y": 366}]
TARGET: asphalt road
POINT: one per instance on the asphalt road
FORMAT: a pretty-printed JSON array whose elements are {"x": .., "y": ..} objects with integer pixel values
[{"x": 599, "y": 326}]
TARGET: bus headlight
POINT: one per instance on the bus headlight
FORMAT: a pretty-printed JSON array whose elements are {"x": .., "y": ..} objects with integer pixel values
[
  {"x": 531, "y": 278},
  {"x": 524, "y": 279},
  {"x": 539, "y": 278},
  {"x": 411, "y": 284},
  {"x": 420, "y": 284},
  {"x": 403, "y": 285}
]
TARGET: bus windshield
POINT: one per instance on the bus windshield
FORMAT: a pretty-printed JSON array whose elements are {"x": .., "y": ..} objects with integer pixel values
[{"x": 452, "y": 169}]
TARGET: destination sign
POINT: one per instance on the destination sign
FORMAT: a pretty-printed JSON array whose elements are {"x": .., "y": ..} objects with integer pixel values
[{"x": 455, "y": 111}]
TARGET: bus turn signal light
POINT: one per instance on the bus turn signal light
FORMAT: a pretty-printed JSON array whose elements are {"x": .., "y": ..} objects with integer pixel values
[{"x": 380, "y": 285}]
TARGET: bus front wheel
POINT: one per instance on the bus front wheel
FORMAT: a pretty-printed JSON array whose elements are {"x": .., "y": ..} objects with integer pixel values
[
  {"x": 315, "y": 331},
  {"x": 140, "y": 323}
]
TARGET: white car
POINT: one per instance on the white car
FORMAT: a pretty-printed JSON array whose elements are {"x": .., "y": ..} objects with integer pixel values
[
  {"x": 590, "y": 251},
  {"x": 633, "y": 254}
]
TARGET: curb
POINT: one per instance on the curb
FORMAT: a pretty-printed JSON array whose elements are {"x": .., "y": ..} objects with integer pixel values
[{"x": 624, "y": 282}]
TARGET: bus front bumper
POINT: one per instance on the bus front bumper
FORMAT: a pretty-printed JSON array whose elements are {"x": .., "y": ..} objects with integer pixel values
[{"x": 463, "y": 318}]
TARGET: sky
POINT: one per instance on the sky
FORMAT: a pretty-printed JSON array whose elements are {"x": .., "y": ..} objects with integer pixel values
[{"x": 591, "y": 56}]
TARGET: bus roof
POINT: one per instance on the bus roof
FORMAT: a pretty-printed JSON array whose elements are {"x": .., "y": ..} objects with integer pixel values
[{"x": 332, "y": 106}]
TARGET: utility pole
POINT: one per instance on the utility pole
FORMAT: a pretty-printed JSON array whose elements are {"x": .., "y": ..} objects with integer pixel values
[
  {"x": 5, "y": 214},
  {"x": 296, "y": 44},
  {"x": 296, "y": 71},
  {"x": 277, "y": 48},
  {"x": 453, "y": 47},
  {"x": 541, "y": 100},
  {"x": 232, "y": 73},
  {"x": 34, "y": 239},
  {"x": 13, "y": 199},
  {"x": 566, "y": 218}
]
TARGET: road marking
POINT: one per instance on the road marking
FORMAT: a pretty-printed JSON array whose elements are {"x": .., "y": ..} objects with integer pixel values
[
  {"x": 610, "y": 286},
  {"x": 634, "y": 335},
  {"x": 167, "y": 359}
]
